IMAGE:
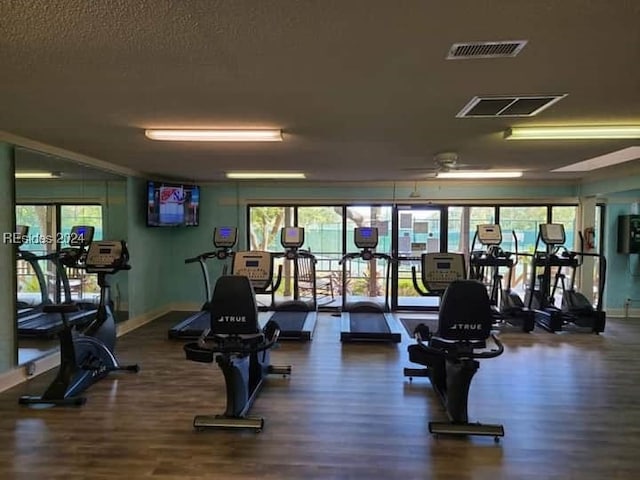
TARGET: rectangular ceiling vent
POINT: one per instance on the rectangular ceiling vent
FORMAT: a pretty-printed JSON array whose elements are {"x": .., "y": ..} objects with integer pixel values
[
  {"x": 508, "y": 106},
  {"x": 461, "y": 51}
]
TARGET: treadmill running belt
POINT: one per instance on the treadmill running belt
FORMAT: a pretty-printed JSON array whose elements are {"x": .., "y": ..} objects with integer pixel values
[
  {"x": 368, "y": 322},
  {"x": 191, "y": 329},
  {"x": 290, "y": 321},
  {"x": 410, "y": 324}
]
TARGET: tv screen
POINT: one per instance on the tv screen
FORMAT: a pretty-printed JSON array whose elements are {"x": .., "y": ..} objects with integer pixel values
[{"x": 172, "y": 204}]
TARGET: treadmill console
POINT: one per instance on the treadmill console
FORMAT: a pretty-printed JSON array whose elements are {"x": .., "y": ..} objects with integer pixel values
[
  {"x": 292, "y": 237},
  {"x": 225, "y": 237},
  {"x": 107, "y": 256},
  {"x": 552, "y": 234},
  {"x": 365, "y": 238},
  {"x": 489, "y": 234},
  {"x": 440, "y": 269},
  {"x": 81, "y": 236},
  {"x": 257, "y": 266}
]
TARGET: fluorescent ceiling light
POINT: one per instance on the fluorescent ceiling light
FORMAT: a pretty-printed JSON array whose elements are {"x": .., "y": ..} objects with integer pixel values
[
  {"x": 263, "y": 175},
  {"x": 613, "y": 158},
  {"x": 571, "y": 133},
  {"x": 480, "y": 174},
  {"x": 216, "y": 135},
  {"x": 37, "y": 175}
]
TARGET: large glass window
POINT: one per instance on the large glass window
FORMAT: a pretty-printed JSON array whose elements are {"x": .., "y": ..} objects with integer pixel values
[
  {"x": 323, "y": 237},
  {"x": 41, "y": 223},
  {"x": 462, "y": 224},
  {"x": 49, "y": 228},
  {"x": 419, "y": 231},
  {"x": 367, "y": 278},
  {"x": 524, "y": 221}
]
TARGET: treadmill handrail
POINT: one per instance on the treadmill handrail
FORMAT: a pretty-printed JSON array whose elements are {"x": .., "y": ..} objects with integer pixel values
[{"x": 202, "y": 256}]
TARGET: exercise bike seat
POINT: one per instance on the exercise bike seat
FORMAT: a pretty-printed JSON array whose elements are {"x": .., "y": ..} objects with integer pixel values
[{"x": 465, "y": 312}]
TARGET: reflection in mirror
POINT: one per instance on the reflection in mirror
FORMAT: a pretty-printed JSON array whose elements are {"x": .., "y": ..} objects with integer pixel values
[{"x": 62, "y": 206}]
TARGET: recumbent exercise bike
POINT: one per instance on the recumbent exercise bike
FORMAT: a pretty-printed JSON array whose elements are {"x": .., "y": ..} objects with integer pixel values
[
  {"x": 241, "y": 350},
  {"x": 451, "y": 354}
]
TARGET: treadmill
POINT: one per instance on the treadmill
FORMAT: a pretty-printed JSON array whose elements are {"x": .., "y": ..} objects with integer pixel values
[
  {"x": 297, "y": 318},
  {"x": 25, "y": 308},
  {"x": 367, "y": 320},
  {"x": 224, "y": 239},
  {"x": 47, "y": 325}
]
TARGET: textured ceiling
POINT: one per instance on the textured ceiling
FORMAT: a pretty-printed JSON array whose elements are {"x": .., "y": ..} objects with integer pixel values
[{"x": 361, "y": 88}]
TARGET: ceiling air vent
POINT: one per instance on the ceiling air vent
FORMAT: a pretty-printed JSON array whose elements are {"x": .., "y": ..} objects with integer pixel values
[
  {"x": 460, "y": 51},
  {"x": 511, "y": 106}
]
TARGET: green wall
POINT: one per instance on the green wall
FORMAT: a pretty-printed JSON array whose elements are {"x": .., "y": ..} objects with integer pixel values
[
  {"x": 8, "y": 339},
  {"x": 153, "y": 263}
]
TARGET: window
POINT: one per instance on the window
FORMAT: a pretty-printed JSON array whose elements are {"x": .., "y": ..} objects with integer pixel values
[{"x": 49, "y": 226}]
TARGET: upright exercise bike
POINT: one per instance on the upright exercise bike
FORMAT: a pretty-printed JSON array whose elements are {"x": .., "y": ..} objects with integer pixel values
[
  {"x": 87, "y": 356},
  {"x": 451, "y": 354}
]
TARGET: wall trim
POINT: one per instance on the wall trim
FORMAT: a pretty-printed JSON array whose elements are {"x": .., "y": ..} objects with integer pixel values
[
  {"x": 43, "y": 364},
  {"x": 138, "y": 321},
  {"x": 623, "y": 313},
  {"x": 67, "y": 154}
]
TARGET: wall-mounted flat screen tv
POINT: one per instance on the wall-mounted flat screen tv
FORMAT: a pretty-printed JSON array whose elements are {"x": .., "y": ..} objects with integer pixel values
[{"x": 172, "y": 204}]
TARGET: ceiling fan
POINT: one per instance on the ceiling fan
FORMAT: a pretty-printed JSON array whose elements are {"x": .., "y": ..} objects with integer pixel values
[{"x": 445, "y": 162}]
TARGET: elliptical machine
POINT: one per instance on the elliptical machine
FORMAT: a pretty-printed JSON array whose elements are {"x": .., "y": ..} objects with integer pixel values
[
  {"x": 508, "y": 309},
  {"x": 236, "y": 342},
  {"x": 87, "y": 356},
  {"x": 451, "y": 354},
  {"x": 575, "y": 309}
]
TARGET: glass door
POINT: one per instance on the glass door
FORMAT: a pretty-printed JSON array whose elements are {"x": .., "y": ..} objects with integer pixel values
[{"x": 419, "y": 230}]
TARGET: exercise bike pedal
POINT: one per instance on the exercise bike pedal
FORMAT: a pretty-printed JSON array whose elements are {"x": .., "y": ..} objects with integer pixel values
[{"x": 130, "y": 368}]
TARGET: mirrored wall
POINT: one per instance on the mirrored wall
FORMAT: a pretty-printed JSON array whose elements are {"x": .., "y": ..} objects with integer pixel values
[{"x": 53, "y": 195}]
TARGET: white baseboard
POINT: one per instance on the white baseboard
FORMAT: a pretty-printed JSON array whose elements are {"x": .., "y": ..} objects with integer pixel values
[
  {"x": 29, "y": 370},
  {"x": 32, "y": 369},
  {"x": 186, "y": 307},
  {"x": 136, "y": 322},
  {"x": 623, "y": 312}
]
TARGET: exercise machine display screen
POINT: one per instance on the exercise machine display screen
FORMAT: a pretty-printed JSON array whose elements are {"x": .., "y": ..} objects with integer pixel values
[
  {"x": 489, "y": 234},
  {"x": 225, "y": 237},
  {"x": 256, "y": 266},
  {"x": 552, "y": 233},
  {"x": 365, "y": 237},
  {"x": 440, "y": 269},
  {"x": 107, "y": 256},
  {"x": 81, "y": 235},
  {"x": 292, "y": 237}
]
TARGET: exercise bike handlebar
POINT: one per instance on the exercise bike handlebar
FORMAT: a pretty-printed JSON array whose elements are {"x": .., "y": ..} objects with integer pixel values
[
  {"x": 236, "y": 344},
  {"x": 466, "y": 354}
]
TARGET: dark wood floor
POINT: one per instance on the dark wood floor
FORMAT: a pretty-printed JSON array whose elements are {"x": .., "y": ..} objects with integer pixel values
[{"x": 570, "y": 404}]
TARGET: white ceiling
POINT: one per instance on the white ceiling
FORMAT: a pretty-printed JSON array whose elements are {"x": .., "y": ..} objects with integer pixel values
[{"x": 361, "y": 88}]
